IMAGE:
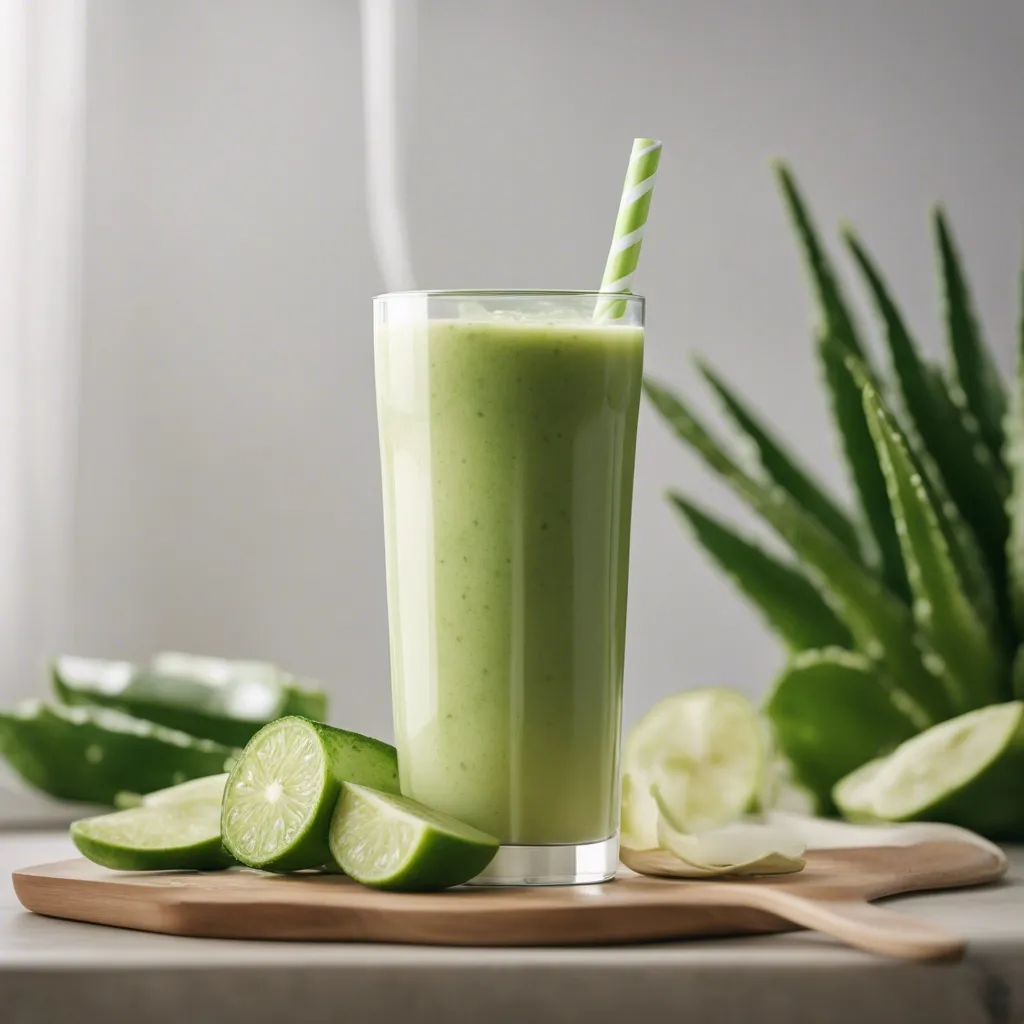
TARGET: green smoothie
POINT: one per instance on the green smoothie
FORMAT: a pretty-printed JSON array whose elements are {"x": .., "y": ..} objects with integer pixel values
[{"x": 507, "y": 451}]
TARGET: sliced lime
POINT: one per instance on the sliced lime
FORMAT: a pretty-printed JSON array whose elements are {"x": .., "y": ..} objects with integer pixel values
[
  {"x": 705, "y": 750},
  {"x": 158, "y": 837},
  {"x": 965, "y": 771},
  {"x": 281, "y": 794},
  {"x": 210, "y": 788},
  {"x": 91, "y": 754},
  {"x": 392, "y": 842}
]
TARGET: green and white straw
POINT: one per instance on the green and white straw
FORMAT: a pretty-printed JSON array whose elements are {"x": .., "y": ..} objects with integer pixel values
[{"x": 629, "y": 225}]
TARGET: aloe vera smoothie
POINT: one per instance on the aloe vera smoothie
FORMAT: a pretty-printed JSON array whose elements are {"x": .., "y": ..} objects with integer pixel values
[{"x": 507, "y": 451}]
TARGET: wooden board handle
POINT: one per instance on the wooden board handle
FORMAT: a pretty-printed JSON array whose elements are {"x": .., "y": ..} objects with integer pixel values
[{"x": 857, "y": 923}]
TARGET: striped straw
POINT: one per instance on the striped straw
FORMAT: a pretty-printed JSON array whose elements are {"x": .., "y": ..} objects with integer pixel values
[{"x": 629, "y": 225}]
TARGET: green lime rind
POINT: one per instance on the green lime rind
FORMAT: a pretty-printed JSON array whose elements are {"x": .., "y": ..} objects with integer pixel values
[
  {"x": 91, "y": 754},
  {"x": 283, "y": 790},
  {"x": 163, "y": 837},
  {"x": 965, "y": 771},
  {"x": 831, "y": 711},
  {"x": 391, "y": 842},
  {"x": 209, "y": 787}
]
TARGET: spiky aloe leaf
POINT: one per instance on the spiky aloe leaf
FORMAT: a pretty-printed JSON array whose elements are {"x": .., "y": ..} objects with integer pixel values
[
  {"x": 838, "y": 323},
  {"x": 785, "y": 597},
  {"x": 976, "y": 373},
  {"x": 977, "y": 482},
  {"x": 782, "y": 467},
  {"x": 960, "y": 539},
  {"x": 880, "y": 623},
  {"x": 958, "y": 463},
  {"x": 848, "y": 412},
  {"x": 831, "y": 713},
  {"x": 944, "y": 612},
  {"x": 835, "y": 311},
  {"x": 1015, "y": 503}
]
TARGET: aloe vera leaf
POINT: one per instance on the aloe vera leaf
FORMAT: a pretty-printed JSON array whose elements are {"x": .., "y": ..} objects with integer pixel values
[
  {"x": 839, "y": 324},
  {"x": 1015, "y": 503},
  {"x": 862, "y": 458},
  {"x": 831, "y": 712},
  {"x": 789, "y": 602},
  {"x": 881, "y": 624},
  {"x": 964, "y": 548},
  {"x": 1017, "y": 675},
  {"x": 968, "y": 485},
  {"x": 976, "y": 373},
  {"x": 835, "y": 310},
  {"x": 941, "y": 608},
  {"x": 977, "y": 482},
  {"x": 782, "y": 467}
]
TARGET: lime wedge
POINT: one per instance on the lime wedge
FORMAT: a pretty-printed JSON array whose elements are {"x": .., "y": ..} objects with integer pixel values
[
  {"x": 965, "y": 771},
  {"x": 281, "y": 794},
  {"x": 392, "y": 842},
  {"x": 210, "y": 788},
  {"x": 706, "y": 751},
  {"x": 159, "y": 837}
]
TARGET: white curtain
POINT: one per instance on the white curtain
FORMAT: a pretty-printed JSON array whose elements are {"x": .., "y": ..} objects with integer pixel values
[{"x": 42, "y": 47}]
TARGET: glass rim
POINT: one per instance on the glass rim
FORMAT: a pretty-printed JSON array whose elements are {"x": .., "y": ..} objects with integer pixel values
[{"x": 504, "y": 293}]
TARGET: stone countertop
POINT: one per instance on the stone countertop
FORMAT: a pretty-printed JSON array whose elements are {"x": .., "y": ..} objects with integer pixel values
[{"x": 58, "y": 970}]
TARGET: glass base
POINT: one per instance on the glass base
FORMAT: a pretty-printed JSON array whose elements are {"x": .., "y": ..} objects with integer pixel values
[{"x": 569, "y": 864}]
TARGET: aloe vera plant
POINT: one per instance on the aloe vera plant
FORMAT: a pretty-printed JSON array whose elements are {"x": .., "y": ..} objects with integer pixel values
[{"x": 909, "y": 609}]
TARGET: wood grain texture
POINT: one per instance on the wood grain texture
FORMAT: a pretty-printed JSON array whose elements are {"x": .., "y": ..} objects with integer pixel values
[{"x": 830, "y": 895}]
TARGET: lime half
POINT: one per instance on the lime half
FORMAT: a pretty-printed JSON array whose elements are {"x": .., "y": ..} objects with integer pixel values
[
  {"x": 705, "y": 751},
  {"x": 965, "y": 771},
  {"x": 392, "y": 842},
  {"x": 159, "y": 837},
  {"x": 281, "y": 794}
]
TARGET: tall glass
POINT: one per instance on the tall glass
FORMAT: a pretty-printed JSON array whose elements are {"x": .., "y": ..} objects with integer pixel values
[{"x": 507, "y": 424}]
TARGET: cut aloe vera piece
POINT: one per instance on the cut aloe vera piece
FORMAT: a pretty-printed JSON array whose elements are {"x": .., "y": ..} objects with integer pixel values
[
  {"x": 965, "y": 771},
  {"x": 785, "y": 597},
  {"x": 881, "y": 624},
  {"x": 229, "y": 704},
  {"x": 300, "y": 697},
  {"x": 91, "y": 754},
  {"x": 282, "y": 792}
]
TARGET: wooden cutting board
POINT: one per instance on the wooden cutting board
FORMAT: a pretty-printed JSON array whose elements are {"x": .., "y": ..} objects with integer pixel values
[{"x": 831, "y": 895}]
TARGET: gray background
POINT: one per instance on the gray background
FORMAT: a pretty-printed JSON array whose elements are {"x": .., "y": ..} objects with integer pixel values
[{"x": 229, "y": 492}]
